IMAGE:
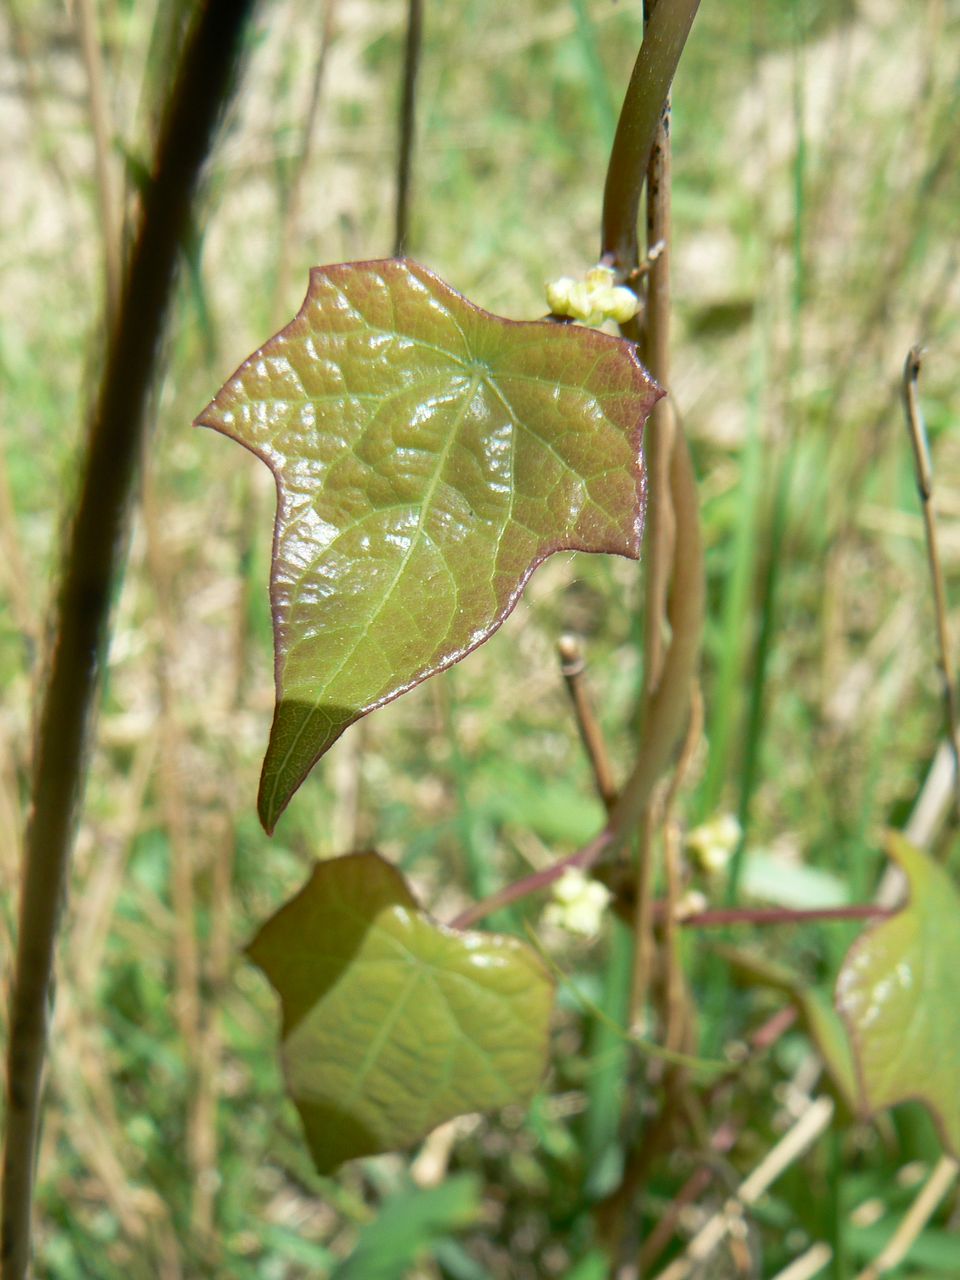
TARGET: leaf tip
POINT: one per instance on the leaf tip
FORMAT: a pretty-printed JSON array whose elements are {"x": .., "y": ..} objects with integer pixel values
[{"x": 269, "y": 808}]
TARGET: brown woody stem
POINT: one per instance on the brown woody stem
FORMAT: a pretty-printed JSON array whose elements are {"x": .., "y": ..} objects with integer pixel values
[{"x": 94, "y": 554}]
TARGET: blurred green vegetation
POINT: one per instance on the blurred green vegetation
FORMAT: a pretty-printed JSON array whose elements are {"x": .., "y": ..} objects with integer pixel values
[{"x": 815, "y": 201}]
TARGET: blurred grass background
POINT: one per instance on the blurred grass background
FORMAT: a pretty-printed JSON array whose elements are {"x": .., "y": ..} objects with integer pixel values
[{"x": 815, "y": 204}]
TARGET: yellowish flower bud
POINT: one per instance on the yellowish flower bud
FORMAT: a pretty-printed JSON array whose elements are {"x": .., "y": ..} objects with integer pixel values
[
  {"x": 713, "y": 843},
  {"x": 578, "y": 904},
  {"x": 593, "y": 299}
]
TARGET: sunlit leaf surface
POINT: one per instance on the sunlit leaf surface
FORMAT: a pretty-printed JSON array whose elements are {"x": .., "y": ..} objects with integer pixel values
[
  {"x": 391, "y": 1022},
  {"x": 898, "y": 991},
  {"x": 428, "y": 456}
]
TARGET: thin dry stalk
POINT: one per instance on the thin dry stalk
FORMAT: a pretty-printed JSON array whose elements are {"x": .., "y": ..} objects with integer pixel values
[
  {"x": 433, "y": 1159},
  {"x": 200, "y": 1037},
  {"x": 217, "y": 962},
  {"x": 102, "y": 134},
  {"x": 924, "y": 470},
  {"x": 98, "y": 899},
  {"x": 207, "y": 1091},
  {"x": 573, "y": 669},
  {"x": 290, "y": 232}
]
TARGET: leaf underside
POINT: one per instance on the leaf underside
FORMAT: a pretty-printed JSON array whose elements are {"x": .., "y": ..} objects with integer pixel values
[
  {"x": 897, "y": 992},
  {"x": 428, "y": 456},
  {"x": 393, "y": 1024}
]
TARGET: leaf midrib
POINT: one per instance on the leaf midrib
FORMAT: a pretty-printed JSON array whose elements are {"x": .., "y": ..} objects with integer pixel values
[{"x": 476, "y": 380}]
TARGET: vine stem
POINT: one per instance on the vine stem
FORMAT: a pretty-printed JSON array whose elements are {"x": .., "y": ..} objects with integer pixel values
[
  {"x": 724, "y": 916},
  {"x": 408, "y": 112},
  {"x": 667, "y": 705},
  {"x": 663, "y": 40},
  {"x": 721, "y": 917},
  {"x": 93, "y": 557},
  {"x": 667, "y": 710},
  {"x": 660, "y": 527}
]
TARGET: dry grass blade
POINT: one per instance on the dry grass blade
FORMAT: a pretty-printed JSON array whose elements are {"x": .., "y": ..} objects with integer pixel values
[
  {"x": 921, "y": 454},
  {"x": 808, "y": 1265},
  {"x": 102, "y": 141},
  {"x": 916, "y": 1218},
  {"x": 176, "y": 809},
  {"x": 291, "y": 219}
]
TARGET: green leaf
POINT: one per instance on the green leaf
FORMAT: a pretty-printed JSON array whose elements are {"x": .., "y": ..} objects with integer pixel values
[
  {"x": 769, "y": 877},
  {"x": 897, "y": 991},
  {"x": 393, "y": 1023},
  {"x": 408, "y": 1224},
  {"x": 831, "y": 1037},
  {"x": 428, "y": 456}
]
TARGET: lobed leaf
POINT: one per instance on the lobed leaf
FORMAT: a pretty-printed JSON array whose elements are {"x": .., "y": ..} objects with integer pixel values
[
  {"x": 897, "y": 992},
  {"x": 428, "y": 456},
  {"x": 392, "y": 1023}
]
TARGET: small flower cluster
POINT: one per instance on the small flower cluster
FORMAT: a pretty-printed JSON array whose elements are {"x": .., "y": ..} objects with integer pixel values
[
  {"x": 593, "y": 299},
  {"x": 713, "y": 843},
  {"x": 578, "y": 903}
]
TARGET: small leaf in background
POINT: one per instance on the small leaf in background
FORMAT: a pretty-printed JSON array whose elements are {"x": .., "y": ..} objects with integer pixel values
[
  {"x": 788, "y": 882},
  {"x": 408, "y": 1225},
  {"x": 898, "y": 993},
  {"x": 428, "y": 456},
  {"x": 393, "y": 1023}
]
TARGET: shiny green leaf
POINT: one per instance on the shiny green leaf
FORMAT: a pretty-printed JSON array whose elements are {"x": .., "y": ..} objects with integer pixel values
[
  {"x": 428, "y": 456},
  {"x": 897, "y": 991},
  {"x": 392, "y": 1023}
]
